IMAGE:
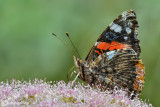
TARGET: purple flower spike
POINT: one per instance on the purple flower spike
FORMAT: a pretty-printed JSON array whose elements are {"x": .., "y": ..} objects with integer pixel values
[{"x": 40, "y": 93}]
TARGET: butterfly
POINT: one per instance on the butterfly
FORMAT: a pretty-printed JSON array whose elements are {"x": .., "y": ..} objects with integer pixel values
[{"x": 114, "y": 61}]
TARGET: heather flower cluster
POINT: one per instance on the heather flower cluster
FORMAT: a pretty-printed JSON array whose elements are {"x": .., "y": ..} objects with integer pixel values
[{"x": 40, "y": 93}]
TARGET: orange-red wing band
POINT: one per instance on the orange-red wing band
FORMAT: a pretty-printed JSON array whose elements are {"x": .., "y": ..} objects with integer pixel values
[{"x": 111, "y": 46}]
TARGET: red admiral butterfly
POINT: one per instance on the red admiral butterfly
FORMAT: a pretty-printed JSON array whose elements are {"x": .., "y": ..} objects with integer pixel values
[{"x": 114, "y": 59}]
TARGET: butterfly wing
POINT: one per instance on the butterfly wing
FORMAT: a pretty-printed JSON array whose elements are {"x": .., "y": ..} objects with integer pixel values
[
  {"x": 121, "y": 68},
  {"x": 114, "y": 59},
  {"x": 122, "y": 31},
  {"x": 115, "y": 56}
]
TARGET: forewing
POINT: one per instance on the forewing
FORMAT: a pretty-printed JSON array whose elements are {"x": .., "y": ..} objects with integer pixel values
[{"x": 121, "y": 33}]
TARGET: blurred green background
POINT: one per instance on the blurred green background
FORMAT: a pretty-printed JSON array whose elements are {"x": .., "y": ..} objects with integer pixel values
[{"x": 28, "y": 50}]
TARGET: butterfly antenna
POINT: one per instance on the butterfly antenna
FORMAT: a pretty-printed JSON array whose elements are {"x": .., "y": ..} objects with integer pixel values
[
  {"x": 73, "y": 45},
  {"x": 65, "y": 43}
]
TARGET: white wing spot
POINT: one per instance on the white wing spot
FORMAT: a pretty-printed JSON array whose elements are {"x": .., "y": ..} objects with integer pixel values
[
  {"x": 125, "y": 37},
  {"x": 135, "y": 32},
  {"x": 128, "y": 13},
  {"x": 124, "y": 14},
  {"x": 110, "y": 54},
  {"x": 128, "y": 30},
  {"x": 115, "y": 27}
]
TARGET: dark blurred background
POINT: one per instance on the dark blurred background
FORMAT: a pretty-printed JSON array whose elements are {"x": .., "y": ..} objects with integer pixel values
[{"x": 28, "y": 50}]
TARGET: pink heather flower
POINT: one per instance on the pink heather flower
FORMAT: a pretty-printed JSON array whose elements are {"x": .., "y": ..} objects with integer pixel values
[{"x": 40, "y": 93}]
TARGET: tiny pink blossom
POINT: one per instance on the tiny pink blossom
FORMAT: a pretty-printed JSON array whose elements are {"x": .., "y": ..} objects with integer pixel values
[{"x": 41, "y": 93}]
